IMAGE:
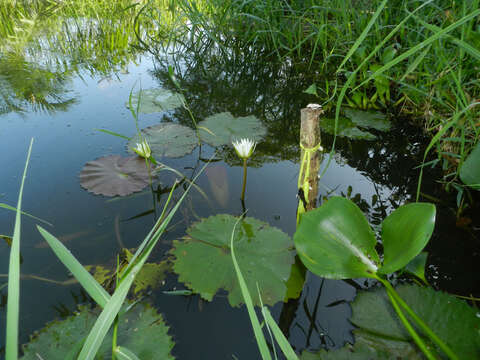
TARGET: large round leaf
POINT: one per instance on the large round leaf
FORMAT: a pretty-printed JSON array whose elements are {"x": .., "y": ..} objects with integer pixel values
[
  {"x": 141, "y": 330},
  {"x": 470, "y": 170},
  {"x": 345, "y": 128},
  {"x": 167, "y": 139},
  {"x": 405, "y": 232},
  {"x": 456, "y": 323},
  {"x": 335, "y": 241},
  {"x": 264, "y": 254},
  {"x": 221, "y": 129},
  {"x": 368, "y": 119},
  {"x": 155, "y": 100},
  {"x": 114, "y": 175}
]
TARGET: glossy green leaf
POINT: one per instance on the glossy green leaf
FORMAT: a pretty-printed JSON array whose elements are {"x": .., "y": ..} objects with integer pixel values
[
  {"x": 141, "y": 330},
  {"x": 417, "y": 266},
  {"x": 335, "y": 241},
  {"x": 167, "y": 139},
  {"x": 221, "y": 129},
  {"x": 470, "y": 170},
  {"x": 264, "y": 254},
  {"x": 156, "y": 100},
  {"x": 405, "y": 232},
  {"x": 456, "y": 323}
]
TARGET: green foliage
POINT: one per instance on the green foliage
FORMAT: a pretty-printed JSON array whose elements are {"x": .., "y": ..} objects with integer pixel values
[
  {"x": 405, "y": 232},
  {"x": 264, "y": 253},
  {"x": 167, "y": 139},
  {"x": 156, "y": 100},
  {"x": 223, "y": 128},
  {"x": 336, "y": 241},
  {"x": 470, "y": 170},
  {"x": 141, "y": 331}
]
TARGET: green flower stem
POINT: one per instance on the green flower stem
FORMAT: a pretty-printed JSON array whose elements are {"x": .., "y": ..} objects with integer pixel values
[
  {"x": 115, "y": 322},
  {"x": 418, "y": 340},
  {"x": 244, "y": 179},
  {"x": 445, "y": 348}
]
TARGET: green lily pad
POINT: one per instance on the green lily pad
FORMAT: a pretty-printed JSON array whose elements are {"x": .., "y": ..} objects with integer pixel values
[
  {"x": 156, "y": 100},
  {"x": 368, "y": 346},
  {"x": 114, "y": 175},
  {"x": 264, "y": 253},
  {"x": 368, "y": 119},
  {"x": 221, "y": 129},
  {"x": 345, "y": 128},
  {"x": 382, "y": 336},
  {"x": 167, "y": 139},
  {"x": 141, "y": 330},
  {"x": 450, "y": 318},
  {"x": 470, "y": 170}
]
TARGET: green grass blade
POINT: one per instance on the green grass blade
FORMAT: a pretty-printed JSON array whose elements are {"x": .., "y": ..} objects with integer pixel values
[
  {"x": 91, "y": 286},
  {"x": 364, "y": 34},
  {"x": 13, "y": 302},
  {"x": 8, "y": 207},
  {"x": 122, "y": 353},
  {"x": 420, "y": 46},
  {"x": 113, "y": 133},
  {"x": 279, "y": 337},
  {"x": 257, "y": 329}
]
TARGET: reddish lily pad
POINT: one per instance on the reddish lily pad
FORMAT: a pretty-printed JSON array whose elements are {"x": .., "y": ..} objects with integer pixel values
[{"x": 115, "y": 175}]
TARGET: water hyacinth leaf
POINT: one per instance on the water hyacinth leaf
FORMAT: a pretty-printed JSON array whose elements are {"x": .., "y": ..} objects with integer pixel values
[
  {"x": 368, "y": 119},
  {"x": 167, "y": 139},
  {"x": 470, "y": 170},
  {"x": 264, "y": 254},
  {"x": 223, "y": 128},
  {"x": 335, "y": 241},
  {"x": 141, "y": 330},
  {"x": 453, "y": 320},
  {"x": 417, "y": 266},
  {"x": 405, "y": 232},
  {"x": 115, "y": 175},
  {"x": 156, "y": 100}
]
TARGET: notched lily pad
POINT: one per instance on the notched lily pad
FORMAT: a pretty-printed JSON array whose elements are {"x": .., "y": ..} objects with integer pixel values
[
  {"x": 221, "y": 129},
  {"x": 450, "y": 318},
  {"x": 167, "y": 139},
  {"x": 156, "y": 100},
  {"x": 264, "y": 253},
  {"x": 368, "y": 119},
  {"x": 141, "y": 330},
  {"x": 114, "y": 175},
  {"x": 345, "y": 128}
]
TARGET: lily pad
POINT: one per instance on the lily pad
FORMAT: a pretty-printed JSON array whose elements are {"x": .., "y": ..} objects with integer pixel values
[
  {"x": 156, "y": 100},
  {"x": 141, "y": 330},
  {"x": 221, "y": 129},
  {"x": 264, "y": 253},
  {"x": 114, "y": 175},
  {"x": 345, "y": 128},
  {"x": 450, "y": 318},
  {"x": 167, "y": 139},
  {"x": 368, "y": 119},
  {"x": 470, "y": 170}
]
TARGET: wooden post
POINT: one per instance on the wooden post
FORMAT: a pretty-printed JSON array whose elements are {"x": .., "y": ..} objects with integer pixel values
[{"x": 310, "y": 156}]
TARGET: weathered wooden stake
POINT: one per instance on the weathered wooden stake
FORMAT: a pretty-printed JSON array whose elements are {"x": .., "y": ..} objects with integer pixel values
[{"x": 310, "y": 156}]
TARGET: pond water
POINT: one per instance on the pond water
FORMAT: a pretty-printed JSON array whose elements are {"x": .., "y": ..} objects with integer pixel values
[{"x": 379, "y": 175}]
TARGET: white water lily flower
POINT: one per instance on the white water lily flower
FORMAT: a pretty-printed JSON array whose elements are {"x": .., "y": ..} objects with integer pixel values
[
  {"x": 143, "y": 149},
  {"x": 244, "y": 147}
]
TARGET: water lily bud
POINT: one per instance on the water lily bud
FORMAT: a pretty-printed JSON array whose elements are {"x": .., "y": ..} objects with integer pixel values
[
  {"x": 143, "y": 149},
  {"x": 244, "y": 147}
]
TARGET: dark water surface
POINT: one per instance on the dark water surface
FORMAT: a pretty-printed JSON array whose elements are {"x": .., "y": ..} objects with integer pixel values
[{"x": 379, "y": 175}]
